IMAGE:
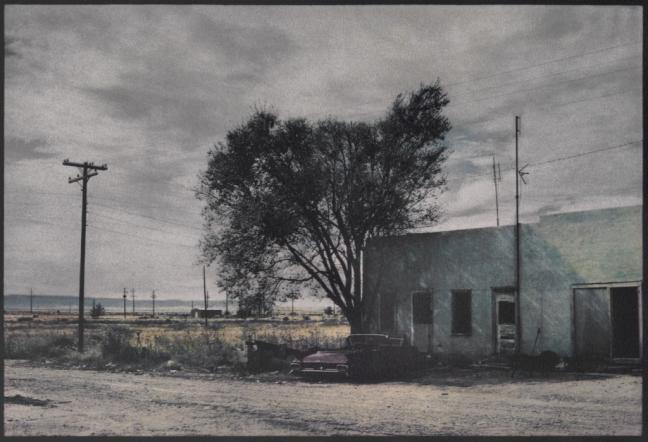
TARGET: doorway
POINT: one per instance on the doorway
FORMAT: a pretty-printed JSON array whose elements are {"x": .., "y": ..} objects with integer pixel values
[
  {"x": 504, "y": 321},
  {"x": 624, "y": 303},
  {"x": 607, "y": 322},
  {"x": 422, "y": 321}
]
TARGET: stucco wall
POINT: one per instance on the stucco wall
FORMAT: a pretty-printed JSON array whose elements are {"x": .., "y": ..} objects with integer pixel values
[{"x": 559, "y": 251}]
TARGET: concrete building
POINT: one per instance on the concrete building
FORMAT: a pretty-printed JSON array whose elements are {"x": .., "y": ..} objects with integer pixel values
[
  {"x": 200, "y": 313},
  {"x": 452, "y": 293}
]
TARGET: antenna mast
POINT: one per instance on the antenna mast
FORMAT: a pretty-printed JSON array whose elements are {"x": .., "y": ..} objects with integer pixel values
[{"x": 495, "y": 180}]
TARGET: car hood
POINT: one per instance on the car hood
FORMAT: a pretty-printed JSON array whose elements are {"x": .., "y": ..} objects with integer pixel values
[{"x": 328, "y": 357}]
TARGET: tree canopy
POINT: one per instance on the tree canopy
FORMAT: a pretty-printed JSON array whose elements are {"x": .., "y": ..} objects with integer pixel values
[{"x": 291, "y": 203}]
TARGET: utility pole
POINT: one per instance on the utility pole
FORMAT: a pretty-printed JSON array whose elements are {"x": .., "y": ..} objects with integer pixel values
[
  {"x": 133, "y": 296},
  {"x": 496, "y": 178},
  {"x": 153, "y": 298},
  {"x": 88, "y": 170},
  {"x": 205, "y": 293},
  {"x": 31, "y": 301},
  {"x": 226, "y": 303},
  {"x": 125, "y": 296},
  {"x": 519, "y": 174}
]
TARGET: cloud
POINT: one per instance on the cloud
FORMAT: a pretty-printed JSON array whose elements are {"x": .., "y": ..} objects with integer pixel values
[
  {"x": 552, "y": 24},
  {"x": 148, "y": 89},
  {"x": 250, "y": 50},
  {"x": 127, "y": 103},
  {"x": 17, "y": 149}
]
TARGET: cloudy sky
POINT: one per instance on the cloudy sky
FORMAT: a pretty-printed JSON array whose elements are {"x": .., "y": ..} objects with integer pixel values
[{"x": 148, "y": 90}]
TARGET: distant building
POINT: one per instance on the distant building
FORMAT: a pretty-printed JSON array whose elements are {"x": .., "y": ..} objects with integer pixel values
[
  {"x": 200, "y": 313},
  {"x": 453, "y": 293}
]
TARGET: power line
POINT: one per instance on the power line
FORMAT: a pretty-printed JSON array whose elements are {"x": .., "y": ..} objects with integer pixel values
[
  {"x": 542, "y": 77},
  {"x": 496, "y": 96},
  {"x": 166, "y": 243},
  {"x": 161, "y": 220},
  {"x": 506, "y": 114},
  {"x": 598, "y": 74},
  {"x": 581, "y": 154},
  {"x": 167, "y": 221},
  {"x": 101, "y": 229},
  {"x": 375, "y": 102},
  {"x": 124, "y": 222},
  {"x": 554, "y": 160},
  {"x": 541, "y": 163},
  {"x": 570, "y": 57}
]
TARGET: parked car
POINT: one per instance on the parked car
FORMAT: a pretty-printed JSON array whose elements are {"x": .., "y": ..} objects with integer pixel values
[{"x": 364, "y": 356}]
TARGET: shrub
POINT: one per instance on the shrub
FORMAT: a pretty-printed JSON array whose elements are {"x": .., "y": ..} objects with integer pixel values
[
  {"x": 205, "y": 349},
  {"x": 116, "y": 346},
  {"x": 97, "y": 310}
]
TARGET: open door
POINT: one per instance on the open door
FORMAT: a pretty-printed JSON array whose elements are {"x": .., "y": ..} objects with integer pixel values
[
  {"x": 422, "y": 321},
  {"x": 504, "y": 321},
  {"x": 624, "y": 309},
  {"x": 607, "y": 322}
]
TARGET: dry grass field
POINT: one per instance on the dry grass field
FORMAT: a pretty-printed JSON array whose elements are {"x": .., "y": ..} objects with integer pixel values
[
  {"x": 122, "y": 385},
  {"x": 151, "y": 341}
]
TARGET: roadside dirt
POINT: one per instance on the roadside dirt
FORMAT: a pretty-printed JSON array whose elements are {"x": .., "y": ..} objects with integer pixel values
[{"x": 50, "y": 401}]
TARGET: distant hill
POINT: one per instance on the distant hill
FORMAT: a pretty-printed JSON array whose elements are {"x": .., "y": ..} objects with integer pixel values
[{"x": 66, "y": 303}]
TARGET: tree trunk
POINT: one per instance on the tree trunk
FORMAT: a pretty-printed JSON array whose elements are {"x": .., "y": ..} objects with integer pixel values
[{"x": 355, "y": 320}]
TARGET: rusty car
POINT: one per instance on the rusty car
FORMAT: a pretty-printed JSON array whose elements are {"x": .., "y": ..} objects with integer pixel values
[{"x": 364, "y": 356}]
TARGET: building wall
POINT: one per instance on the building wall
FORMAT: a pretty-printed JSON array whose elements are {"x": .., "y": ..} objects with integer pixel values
[{"x": 557, "y": 252}]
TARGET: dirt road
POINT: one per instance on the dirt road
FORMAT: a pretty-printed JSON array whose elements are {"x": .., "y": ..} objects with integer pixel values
[{"x": 46, "y": 401}]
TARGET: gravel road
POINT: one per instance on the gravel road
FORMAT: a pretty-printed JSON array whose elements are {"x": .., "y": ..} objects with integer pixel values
[{"x": 49, "y": 401}]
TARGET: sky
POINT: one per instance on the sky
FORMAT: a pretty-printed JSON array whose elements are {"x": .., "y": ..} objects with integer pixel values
[{"x": 149, "y": 89}]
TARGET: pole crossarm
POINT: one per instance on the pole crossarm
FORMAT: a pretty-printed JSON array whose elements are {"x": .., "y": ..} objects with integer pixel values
[{"x": 86, "y": 164}]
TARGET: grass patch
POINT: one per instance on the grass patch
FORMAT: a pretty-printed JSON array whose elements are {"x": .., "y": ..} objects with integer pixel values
[{"x": 36, "y": 345}]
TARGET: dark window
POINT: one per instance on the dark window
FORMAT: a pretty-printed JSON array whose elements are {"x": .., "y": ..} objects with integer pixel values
[
  {"x": 386, "y": 311},
  {"x": 461, "y": 312},
  {"x": 506, "y": 312},
  {"x": 422, "y": 308}
]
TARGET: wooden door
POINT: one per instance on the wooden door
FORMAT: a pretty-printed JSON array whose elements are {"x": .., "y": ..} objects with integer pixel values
[{"x": 592, "y": 334}]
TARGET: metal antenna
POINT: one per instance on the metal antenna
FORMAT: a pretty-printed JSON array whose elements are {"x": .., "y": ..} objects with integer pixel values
[
  {"x": 495, "y": 180},
  {"x": 518, "y": 326},
  {"x": 205, "y": 294}
]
